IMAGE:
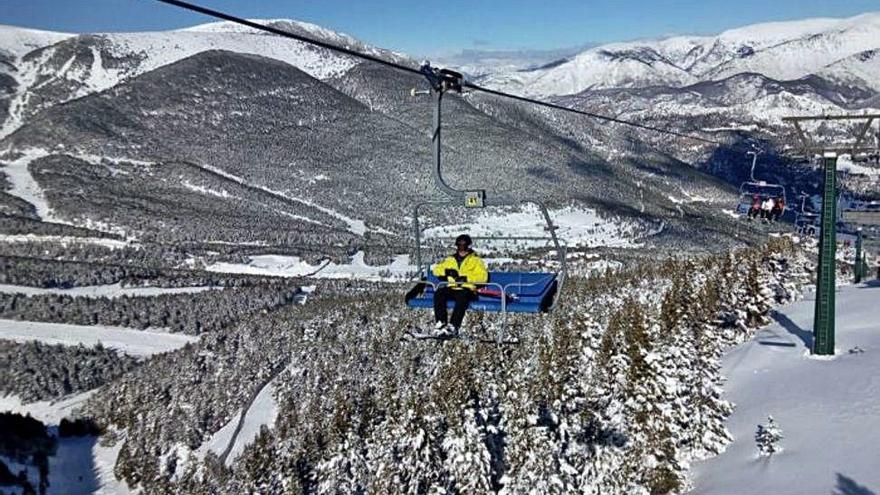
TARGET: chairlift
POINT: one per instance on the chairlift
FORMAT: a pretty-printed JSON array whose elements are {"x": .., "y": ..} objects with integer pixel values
[
  {"x": 506, "y": 291},
  {"x": 763, "y": 190},
  {"x": 806, "y": 222}
]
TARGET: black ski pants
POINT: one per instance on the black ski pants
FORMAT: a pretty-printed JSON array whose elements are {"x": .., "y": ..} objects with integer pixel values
[{"x": 462, "y": 298}]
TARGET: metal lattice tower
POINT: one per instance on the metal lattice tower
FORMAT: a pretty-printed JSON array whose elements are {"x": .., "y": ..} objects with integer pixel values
[{"x": 824, "y": 313}]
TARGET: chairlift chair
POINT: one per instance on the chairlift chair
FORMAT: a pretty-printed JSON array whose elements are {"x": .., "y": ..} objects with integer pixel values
[
  {"x": 511, "y": 292},
  {"x": 806, "y": 222},
  {"x": 505, "y": 291},
  {"x": 754, "y": 187}
]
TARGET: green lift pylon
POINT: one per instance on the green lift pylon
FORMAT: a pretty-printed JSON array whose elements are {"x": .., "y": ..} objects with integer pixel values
[{"x": 823, "y": 316}]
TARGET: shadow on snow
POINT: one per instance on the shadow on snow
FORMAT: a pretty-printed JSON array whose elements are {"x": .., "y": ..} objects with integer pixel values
[{"x": 848, "y": 486}]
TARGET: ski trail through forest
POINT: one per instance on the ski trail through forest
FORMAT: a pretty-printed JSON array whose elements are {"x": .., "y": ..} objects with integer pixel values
[{"x": 825, "y": 407}]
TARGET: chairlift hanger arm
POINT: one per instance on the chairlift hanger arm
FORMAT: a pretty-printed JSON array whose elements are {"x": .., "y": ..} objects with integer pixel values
[
  {"x": 810, "y": 146},
  {"x": 754, "y": 161},
  {"x": 441, "y": 81},
  {"x": 861, "y": 134}
]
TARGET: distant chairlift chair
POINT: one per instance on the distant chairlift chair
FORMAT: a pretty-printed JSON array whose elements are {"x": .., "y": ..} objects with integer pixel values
[{"x": 753, "y": 187}]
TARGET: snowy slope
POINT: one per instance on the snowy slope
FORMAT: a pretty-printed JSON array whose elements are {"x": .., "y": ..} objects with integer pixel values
[
  {"x": 18, "y": 41},
  {"x": 262, "y": 412},
  {"x": 827, "y": 409},
  {"x": 110, "y": 291},
  {"x": 75, "y": 66},
  {"x": 126, "y": 340},
  {"x": 575, "y": 226},
  {"x": 81, "y": 465},
  {"x": 860, "y": 69},
  {"x": 294, "y": 266},
  {"x": 779, "y": 50}
]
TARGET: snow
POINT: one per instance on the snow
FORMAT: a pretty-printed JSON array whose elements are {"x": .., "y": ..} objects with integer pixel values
[
  {"x": 845, "y": 164},
  {"x": 70, "y": 469},
  {"x": 81, "y": 465},
  {"x": 779, "y": 50},
  {"x": 19, "y": 41},
  {"x": 576, "y": 226},
  {"x": 354, "y": 226},
  {"x": 151, "y": 50},
  {"x": 262, "y": 412},
  {"x": 31, "y": 472},
  {"x": 25, "y": 186},
  {"x": 858, "y": 70},
  {"x": 206, "y": 190},
  {"x": 125, "y": 340},
  {"x": 64, "y": 240},
  {"x": 826, "y": 408},
  {"x": 294, "y": 266},
  {"x": 163, "y": 48},
  {"x": 49, "y": 412},
  {"x": 111, "y": 291}
]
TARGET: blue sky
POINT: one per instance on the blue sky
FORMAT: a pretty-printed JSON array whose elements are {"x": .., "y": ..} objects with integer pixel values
[{"x": 430, "y": 28}]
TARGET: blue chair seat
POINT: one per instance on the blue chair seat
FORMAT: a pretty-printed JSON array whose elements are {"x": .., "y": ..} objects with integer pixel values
[{"x": 527, "y": 292}]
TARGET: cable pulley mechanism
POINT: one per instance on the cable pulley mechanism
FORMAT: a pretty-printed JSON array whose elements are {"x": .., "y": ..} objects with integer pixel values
[{"x": 442, "y": 79}]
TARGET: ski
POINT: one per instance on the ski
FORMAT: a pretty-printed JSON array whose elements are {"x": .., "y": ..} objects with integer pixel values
[{"x": 419, "y": 334}]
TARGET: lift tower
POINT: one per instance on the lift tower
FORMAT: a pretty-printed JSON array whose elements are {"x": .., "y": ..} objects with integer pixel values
[{"x": 823, "y": 316}]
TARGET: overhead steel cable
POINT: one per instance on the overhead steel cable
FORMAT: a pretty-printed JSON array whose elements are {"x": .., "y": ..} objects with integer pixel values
[
  {"x": 372, "y": 58},
  {"x": 287, "y": 34},
  {"x": 599, "y": 116}
]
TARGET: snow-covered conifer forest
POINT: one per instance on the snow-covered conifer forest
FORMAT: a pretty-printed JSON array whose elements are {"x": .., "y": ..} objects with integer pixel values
[{"x": 206, "y": 238}]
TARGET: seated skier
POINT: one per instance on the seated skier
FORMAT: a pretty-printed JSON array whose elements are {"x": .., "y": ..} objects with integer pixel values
[
  {"x": 755, "y": 210},
  {"x": 778, "y": 209},
  {"x": 461, "y": 271},
  {"x": 766, "y": 208}
]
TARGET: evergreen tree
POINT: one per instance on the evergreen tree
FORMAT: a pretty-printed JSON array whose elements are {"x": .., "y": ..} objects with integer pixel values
[{"x": 768, "y": 438}]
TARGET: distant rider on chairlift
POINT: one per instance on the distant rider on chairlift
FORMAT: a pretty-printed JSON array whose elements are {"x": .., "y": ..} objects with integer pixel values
[
  {"x": 755, "y": 210},
  {"x": 766, "y": 208},
  {"x": 460, "y": 271},
  {"x": 778, "y": 209}
]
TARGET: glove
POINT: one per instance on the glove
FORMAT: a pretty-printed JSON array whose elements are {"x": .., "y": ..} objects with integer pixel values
[{"x": 451, "y": 272}]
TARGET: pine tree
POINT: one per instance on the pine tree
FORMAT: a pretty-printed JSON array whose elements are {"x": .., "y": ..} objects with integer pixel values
[
  {"x": 768, "y": 438},
  {"x": 467, "y": 460}
]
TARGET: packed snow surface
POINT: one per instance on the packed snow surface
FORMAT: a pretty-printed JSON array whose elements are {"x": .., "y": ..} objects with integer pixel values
[
  {"x": 262, "y": 411},
  {"x": 111, "y": 291},
  {"x": 64, "y": 240},
  {"x": 47, "y": 411},
  {"x": 25, "y": 186},
  {"x": 575, "y": 226},
  {"x": 354, "y": 225},
  {"x": 294, "y": 266},
  {"x": 81, "y": 465},
  {"x": 125, "y": 340},
  {"x": 827, "y": 408}
]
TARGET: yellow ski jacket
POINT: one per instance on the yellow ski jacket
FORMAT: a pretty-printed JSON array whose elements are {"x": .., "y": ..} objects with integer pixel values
[{"x": 471, "y": 267}]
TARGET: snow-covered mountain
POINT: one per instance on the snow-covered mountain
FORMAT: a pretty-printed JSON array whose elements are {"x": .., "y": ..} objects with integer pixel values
[
  {"x": 16, "y": 41},
  {"x": 42, "y": 69},
  {"x": 289, "y": 133},
  {"x": 181, "y": 169},
  {"x": 286, "y": 134},
  {"x": 778, "y": 50}
]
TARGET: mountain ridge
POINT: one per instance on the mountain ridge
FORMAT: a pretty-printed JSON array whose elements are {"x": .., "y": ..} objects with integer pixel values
[{"x": 682, "y": 60}]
